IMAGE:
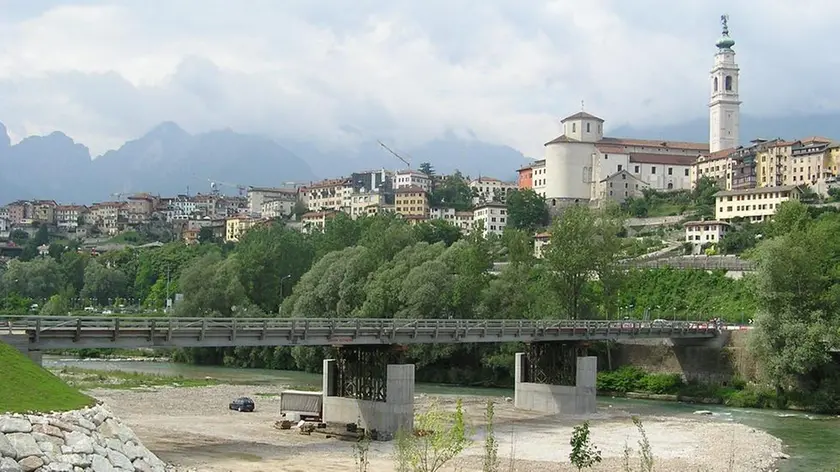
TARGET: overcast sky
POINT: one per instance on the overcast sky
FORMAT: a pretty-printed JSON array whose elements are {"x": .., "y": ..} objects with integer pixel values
[{"x": 339, "y": 71}]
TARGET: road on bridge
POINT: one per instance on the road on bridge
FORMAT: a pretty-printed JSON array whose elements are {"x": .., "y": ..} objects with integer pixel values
[{"x": 130, "y": 333}]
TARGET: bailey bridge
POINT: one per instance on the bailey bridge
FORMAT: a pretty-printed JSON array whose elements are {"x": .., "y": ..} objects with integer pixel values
[{"x": 367, "y": 382}]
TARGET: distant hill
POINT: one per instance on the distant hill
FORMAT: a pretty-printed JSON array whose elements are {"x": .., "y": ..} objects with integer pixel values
[
  {"x": 752, "y": 127},
  {"x": 167, "y": 160}
]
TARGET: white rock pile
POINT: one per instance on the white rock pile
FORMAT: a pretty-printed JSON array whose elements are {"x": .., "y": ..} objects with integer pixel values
[{"x": 89, "y": 440}]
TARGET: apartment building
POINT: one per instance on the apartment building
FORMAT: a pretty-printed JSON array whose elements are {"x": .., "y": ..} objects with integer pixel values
[
  {"x": 411, "y": 201},
  {"x": 773, "y": 164},
  {"x": 700, "y": 233},
  {"x": 109, "y": 217},
  {"x": 236, "y": 226},
  {"x": 257, "y": 196},
  {"x": 716, "y": 166},
  {"x": 68, "y": 216},
  {"x": 43, "y": 211},
  {"x": 140, "y": 208},
  {"x": 19, "y": 211},
  {"x": 316, "y": 220},
  {"x": 361, "y": 200},
  {"x": 373, "y": 180},
  {"x": 811, "y": 162},
  {"x": 464, "y": 221},
  {"x": 488, "y": 189},
  {"x": 492, "y": 217},
  {"x": 5, "y": 224},
  {"x": 756, "y": 204},
  {"x": 331, "y": 194},
  {"x": 411, "y": 178},
  {"x": 539, "y": 177},
  {"x": 442, "y": 213},
  {"x": 525, "y": 179},
  {"x": 276, "y": 208}
]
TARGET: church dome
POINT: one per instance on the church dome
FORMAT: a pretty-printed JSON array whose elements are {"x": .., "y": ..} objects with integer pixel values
[{"x": 725, "y": 42}]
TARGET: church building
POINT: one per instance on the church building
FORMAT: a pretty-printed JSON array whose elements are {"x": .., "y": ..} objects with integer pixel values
[{"x": 583, "y": 165}]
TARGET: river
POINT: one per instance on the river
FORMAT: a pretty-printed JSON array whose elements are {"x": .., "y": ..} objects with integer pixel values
[{"x": 810, "y": 440}]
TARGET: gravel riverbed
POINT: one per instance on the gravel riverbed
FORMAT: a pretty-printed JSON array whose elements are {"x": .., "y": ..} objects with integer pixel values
[{"x": 193, "y": 427}]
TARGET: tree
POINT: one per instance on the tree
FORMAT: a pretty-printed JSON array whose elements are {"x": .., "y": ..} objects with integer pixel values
[
  {"x": 270, "y": 257},
  {"x": 38, "y": 279},
  {"x": 104, "y": 283},
  {"x": 437, "y": 231},
  {"x": 527, "y": 210},
  {"x": 519, "y": 245},
  {"x": 452, "y": 192},
  {"x": 440, "y": 437},
  {"x": 211, "y": 287},
  {"x": 426, "y": 168},
  {"x": 584, "y": 245},
  {"x": 19, "y": 236},
  {"x": 799, "y": 301},
  {"x": 57, "y": 305},
  {"x": 205, "y": 235},
  {"x": 491, "y": 445},
  {"x": 584, "y": 454}
]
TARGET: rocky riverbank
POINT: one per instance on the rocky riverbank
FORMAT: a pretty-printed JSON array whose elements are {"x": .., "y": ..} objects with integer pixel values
[{"x": 89, "y": 440}]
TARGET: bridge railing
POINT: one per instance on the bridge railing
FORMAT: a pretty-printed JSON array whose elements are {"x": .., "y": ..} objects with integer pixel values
[{"x": 41, "y": 324}]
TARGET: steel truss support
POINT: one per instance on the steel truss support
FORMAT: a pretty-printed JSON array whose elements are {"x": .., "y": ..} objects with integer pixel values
[
  {"x": 362, "y": 371},
  {"x": 553, "y": 363}
]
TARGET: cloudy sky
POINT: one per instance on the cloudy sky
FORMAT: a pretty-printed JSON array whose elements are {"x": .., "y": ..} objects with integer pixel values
[{"x": 340, "y": 71}]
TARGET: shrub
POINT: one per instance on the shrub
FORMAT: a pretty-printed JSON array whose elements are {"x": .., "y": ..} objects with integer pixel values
[
  {"x": 623, "y": 380},
  {"x": 662, "y": 383}
]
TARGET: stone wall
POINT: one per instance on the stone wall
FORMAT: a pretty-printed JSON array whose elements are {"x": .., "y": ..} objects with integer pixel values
[
  {"x": 89, "y": 440},
  {"x": 709, "y": 362}
]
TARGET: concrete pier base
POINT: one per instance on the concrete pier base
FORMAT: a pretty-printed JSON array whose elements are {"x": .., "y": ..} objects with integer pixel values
[
  {"x": 387, "y": 417},
  {"x": 21, "y": 343},
  {"x": 558, "y": 399}
]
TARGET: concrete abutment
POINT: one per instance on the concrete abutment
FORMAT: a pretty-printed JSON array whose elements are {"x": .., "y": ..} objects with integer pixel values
[{"x": 578, "y": 399}]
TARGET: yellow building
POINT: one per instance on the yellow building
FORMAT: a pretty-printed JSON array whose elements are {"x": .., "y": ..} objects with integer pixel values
[
  {"x": 411, "y": 201},
  {"x": 716, "y": 166},
  {"x": 236, "y": 226},
  {"x": 755, "y": 204}
]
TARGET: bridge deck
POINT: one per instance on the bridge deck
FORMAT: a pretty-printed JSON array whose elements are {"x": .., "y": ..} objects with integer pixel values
[{"x": 118, "y": 332}]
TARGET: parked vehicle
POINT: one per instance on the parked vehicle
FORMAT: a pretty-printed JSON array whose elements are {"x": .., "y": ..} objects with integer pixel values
[{"x": 242, "y": 404}]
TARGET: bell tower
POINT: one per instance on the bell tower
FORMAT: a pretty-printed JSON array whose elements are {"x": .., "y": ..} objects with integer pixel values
[{"x": 724, "y": 104}]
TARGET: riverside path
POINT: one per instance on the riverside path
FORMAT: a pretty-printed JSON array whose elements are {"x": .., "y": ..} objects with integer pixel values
[{"x": 69, "y": 332}]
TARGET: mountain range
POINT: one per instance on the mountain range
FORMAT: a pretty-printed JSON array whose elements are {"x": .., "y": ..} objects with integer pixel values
[{"x": 167, "y": 160}]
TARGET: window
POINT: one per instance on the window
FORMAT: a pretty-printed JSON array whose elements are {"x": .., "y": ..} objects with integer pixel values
[
  {"x": 670, "y": 171},
  {"x": 686, "y": 172},
  {"x": 636, "y": 169},
  {"x": 619, "y": 169},
  {"x": 652, "y": 169},
  {"x": 587, "y": 127},
  {"x": 716, "y": 84},
  {"x": 728, "y": 83},
  {"x": 574, "y": 128},
  {"x": 623, "y": 176}
]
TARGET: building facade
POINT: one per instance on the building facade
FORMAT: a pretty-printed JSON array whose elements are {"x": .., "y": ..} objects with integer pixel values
[
  {"x": 755, "y": 205},
  {"x": 491, "y": 217},
  {"x": 700, "y": 233},
  {"x": 412, "y": 178},
  {"x": 488, "y": 189},
  {"x": 411, "y": 201}
]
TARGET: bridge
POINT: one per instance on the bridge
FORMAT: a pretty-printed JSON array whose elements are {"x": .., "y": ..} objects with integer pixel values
[
  {"x": 367, "y": 381},
  {"x": 66, "y": 332}
]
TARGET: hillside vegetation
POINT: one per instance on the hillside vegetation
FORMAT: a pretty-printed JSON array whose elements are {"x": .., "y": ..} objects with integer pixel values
[{"x": 26, "y": 386}]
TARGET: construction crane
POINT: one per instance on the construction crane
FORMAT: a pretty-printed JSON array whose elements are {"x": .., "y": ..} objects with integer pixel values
[
  {"x": 214, "y": 186},
  {"x": 406, "y": 161}
]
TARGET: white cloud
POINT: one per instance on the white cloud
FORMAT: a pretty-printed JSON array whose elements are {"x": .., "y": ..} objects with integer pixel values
[{"x": 108, "y": 71}]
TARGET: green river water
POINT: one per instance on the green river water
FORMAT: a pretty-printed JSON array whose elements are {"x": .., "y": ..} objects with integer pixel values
[{"x": 812, "y": 441}]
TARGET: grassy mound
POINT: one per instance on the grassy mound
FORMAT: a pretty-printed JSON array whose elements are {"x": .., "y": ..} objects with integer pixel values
[{"x": 26, "y": 386}]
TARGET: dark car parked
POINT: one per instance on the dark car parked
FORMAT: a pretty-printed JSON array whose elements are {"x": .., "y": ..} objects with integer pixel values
[{"x": 242, "y": 404}]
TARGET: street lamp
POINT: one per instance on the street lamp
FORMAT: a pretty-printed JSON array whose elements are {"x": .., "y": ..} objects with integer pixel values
[{"x": 282, "y": 293}]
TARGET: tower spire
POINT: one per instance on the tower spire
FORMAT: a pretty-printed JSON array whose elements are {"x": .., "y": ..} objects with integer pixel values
[{"x": 725, "y": 42}]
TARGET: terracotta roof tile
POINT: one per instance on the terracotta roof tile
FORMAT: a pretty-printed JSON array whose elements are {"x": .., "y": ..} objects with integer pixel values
[
  {"x": 562, "y": 139},
  {"x": 659, "y": 143},
  {"x": 605, "y": 148},
  {"x": 581, "y": 115}
]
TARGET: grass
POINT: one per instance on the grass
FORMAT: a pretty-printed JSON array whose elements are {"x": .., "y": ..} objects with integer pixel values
[
  {"x": 27, "y": 387},
  {"x": 86, "y": 379}
]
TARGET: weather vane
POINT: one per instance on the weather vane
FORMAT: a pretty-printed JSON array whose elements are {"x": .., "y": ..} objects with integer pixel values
[
  {"x": 724, "y": 20},
  {"x": 581, "y": 106}
]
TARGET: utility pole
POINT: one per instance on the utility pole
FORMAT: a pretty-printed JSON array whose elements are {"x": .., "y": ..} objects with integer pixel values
[{"x": 166, "y": 305}]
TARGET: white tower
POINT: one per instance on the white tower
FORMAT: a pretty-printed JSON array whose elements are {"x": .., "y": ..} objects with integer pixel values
[{"x": 724, "y": 105}]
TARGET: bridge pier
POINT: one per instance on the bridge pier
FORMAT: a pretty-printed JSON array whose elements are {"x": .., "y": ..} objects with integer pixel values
[
  {"x": 21, "y": 343},
  {"x": 555, "y": 378},
  {"x": 361, "y": 386}
]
